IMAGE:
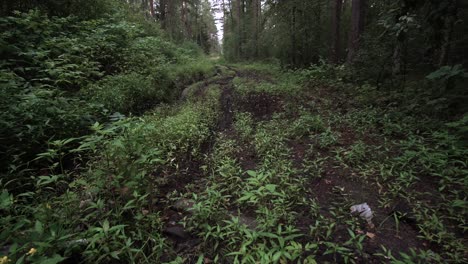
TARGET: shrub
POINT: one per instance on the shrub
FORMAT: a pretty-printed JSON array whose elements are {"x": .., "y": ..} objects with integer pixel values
[
  {"x": 127, "y": 93},
  {"x": 30, "y": 116}
]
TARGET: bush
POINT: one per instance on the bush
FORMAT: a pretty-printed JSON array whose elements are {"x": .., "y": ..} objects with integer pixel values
[
  {"x": 30, "y": 116},
  {"x": 127, "y": 93},
  {"x": 82, "y": 8},
  {"x": 57, "y": 74}
]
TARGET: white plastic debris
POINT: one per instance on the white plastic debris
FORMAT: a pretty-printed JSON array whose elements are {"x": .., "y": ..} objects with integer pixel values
[
  {"x": 364, "y": 211},
  {"x": 82, "y": 241}
]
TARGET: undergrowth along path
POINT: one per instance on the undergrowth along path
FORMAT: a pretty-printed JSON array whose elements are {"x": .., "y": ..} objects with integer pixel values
[{"x": 286, "y": 162}]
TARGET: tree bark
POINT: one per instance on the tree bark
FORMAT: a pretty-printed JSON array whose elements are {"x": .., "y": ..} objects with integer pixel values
[
  {"x": 448, "y": 33},
  {"x": 336, "y": 30},
  {"x": 162, "y": 13},
  {"x": 398, "y": 55},
  {"x": 151, "y": 2},
  {"x": 237, "y": 27},
  {"x": 357, "y": 27},
  {"x": 255, "y": 25},
  {"x": 293, "y": 35},
  {"x": 185, "y": 19}
]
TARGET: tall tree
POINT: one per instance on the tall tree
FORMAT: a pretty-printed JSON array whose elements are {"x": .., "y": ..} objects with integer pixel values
[
  {"x": 162, "y": 13},
  {"x": 357, "y": 27},
  {"x": 336, "y": 31},
  {"x": 255, "y": 23},
  {"x": 151, "y": 3},
  {"x": 449, "y": 23}
]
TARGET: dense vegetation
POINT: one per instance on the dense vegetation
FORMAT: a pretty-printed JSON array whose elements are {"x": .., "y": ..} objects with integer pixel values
[{"x": 124, "y": 139}]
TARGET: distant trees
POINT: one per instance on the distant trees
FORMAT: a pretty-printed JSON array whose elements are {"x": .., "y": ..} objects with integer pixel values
[
  {"x": 80, "y": 8},
  {"x": 182, "y": 19},
  {"x": 188, "y": 20},
  {"x": 242, "y": 28},
  {"x": 376, "y": 37}
]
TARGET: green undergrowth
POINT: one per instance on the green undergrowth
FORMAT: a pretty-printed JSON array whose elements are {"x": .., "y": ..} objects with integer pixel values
[
  {"x": 60, "y": 75},
  {"x": 282, "y": 83},
  {"x": 275, "y": 187},
  {"x": 384, "y": 156},
  {"x": 106, "y": 211}
]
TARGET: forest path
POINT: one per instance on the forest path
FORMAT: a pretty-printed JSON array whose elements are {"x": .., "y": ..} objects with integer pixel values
[{"x": 283, "y": 156}]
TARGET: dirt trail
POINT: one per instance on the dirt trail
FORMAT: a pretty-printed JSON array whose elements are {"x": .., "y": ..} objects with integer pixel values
[
  {"x": 226, "y": 107},
  {"x": 185, "y": 243},
  {"x": 334, "y": 188}
]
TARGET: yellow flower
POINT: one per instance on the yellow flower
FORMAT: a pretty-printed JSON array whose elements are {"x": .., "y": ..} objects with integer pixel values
[
  {"x": 48, "y": 206},
  {"x": 4, "y": 260},
  {"x": 31, "y": 252}
]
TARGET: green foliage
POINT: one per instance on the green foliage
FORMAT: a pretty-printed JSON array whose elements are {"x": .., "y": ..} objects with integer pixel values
[
  {"x": 106, "y": 211},
  {"x": 306, "y": 125},
  {"x": 60, "y": 75},
  {"x": 460, "y": 127},
  {"x": 448, "y": 72},
  {"x": 126, "y": 93},
  {"x": 244, "y": 125},
  {"x": 327, "y": 138},
  {"x": 82, "y": 8},
  {"x": 72, "y": 190},
  {"x": 42, "y": 113}
]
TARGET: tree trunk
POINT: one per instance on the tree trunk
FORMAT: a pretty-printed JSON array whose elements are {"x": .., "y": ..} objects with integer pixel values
[
  {"x": 151, "y": 2},
  {"x": 318, "y": 36},
  {"x": 448, "y": 32},
  {"x": 185, "y": 19},
  {"x": 162, "y": 13},
  {"x": 357, "y": 27},
  {"x": 398, "y": 55},
  {"x": 255, "y": 25},
  {"x": 293, "y": 35},
  {"x": 336, "y": 21},
  {"x": 237, "y": 27},
  {"x": 5, "y": 8}
]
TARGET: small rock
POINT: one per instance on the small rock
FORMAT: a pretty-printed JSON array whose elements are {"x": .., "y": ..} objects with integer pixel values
[
  {"x": 248, "y": 221},
  {"x": 178, "y": 232},
  {"x": 183, "y": 205},
  {"x": 188, "y": 246}
]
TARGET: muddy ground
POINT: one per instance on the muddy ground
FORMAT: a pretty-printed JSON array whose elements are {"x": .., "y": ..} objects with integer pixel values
[{"x": 335, "y": 186}]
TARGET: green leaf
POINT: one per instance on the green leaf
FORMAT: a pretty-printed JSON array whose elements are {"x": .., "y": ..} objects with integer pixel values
[
  {"x": 38, "y": 227},
  {"x": 55, "y": 259},
  {"x": 252, "y": 173},
  {"x": 277, "y": 256},
  {"x": 105, "y": 226},
  {"x": 200, "y": 259},
  {"x": 115, "y": 254},
  {"x": 6, "y": 200},
  {"x": 271, "y": 187}
]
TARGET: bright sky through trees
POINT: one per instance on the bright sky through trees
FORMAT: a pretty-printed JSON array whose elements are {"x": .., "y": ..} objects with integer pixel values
[{"x": 218, "y": 14}]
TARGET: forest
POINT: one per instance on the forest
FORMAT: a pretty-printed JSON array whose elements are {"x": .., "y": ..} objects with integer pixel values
[{"x": 233, "y": 131}]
